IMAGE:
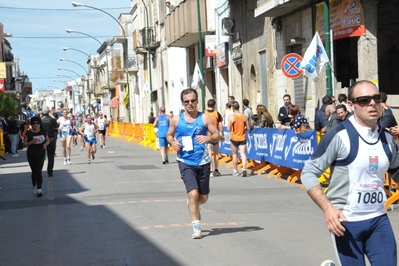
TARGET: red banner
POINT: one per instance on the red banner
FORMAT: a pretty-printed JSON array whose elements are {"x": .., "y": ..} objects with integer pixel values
[{"x": 2, "y": 86}]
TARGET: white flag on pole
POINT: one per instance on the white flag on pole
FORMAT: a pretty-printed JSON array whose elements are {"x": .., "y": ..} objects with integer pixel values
[
  {"x": 314, "y": 59},
  {"x": 197, "y": 77}
]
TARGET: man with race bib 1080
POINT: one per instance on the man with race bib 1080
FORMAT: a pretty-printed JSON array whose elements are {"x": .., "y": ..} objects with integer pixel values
[
  {"x": 89, "y": 130},
  {"x": 359, "y": 153}
]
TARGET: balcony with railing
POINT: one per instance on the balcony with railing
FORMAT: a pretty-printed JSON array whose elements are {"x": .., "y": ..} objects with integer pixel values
[
  {"x": 276, "y": 8},
  {"x": 8, "y": 57},
  {"x": 140, "y": 40},
  {"x": 181, "y": 24},
  {"x": 118, "y": 76}
]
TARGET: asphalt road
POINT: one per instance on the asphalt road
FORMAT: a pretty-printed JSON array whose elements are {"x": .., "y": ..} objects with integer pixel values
[{"x": 126, "y": 208}]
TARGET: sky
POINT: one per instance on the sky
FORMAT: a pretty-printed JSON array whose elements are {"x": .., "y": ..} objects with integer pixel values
[{"x": 39, "y": 34}]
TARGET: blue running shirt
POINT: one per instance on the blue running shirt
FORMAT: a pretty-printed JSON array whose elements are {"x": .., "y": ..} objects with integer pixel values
[{"x": 198, "y": 155}]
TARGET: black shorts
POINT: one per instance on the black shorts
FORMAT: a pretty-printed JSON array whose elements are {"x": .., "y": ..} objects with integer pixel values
[
  {"x": 238, "y": 143},
  {"x": 195, "y": 177},
  {"x": 102, "y": 132}
]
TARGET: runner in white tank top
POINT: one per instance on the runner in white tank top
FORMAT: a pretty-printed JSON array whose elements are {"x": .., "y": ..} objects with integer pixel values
[
  {"x": 65, "y": 131},
  {"x": 89, "y": 130}
]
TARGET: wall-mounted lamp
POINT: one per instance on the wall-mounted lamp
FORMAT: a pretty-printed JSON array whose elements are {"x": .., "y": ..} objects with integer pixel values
[{"x": 295, "y": 41}]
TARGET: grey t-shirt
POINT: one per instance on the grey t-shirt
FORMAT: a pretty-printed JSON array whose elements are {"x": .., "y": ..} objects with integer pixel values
[{"x": 248, "y": 115}]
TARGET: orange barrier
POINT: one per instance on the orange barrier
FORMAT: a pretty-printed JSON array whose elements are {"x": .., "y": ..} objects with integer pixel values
[
  {"x": 391, "y": 190},
  {"x": 149, "y": 137},
  {"x": 2, "y": 147}
]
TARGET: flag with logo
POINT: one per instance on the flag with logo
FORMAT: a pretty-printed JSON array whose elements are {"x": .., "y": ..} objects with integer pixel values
[
  {"x": 197, "y": 77},
  {"x": 314, "y": 59}
]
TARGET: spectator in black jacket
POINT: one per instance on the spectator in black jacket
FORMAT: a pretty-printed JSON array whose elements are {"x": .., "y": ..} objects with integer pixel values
[
  {"x": 50, "y": 125},
  {"x": 387, "y": 120},
  {"x": 283, "y": 114},
  {"x": 6, "y": 137},
  {"x": 321, "y": 118}
]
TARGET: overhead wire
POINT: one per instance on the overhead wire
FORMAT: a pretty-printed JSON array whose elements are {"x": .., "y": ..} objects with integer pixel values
[{"x": 60, "y": 9}]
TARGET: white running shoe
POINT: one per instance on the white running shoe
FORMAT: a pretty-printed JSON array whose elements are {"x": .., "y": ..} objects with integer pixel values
[
  {"x": 34, "y": 190},
  {"x": 69, "y": 160},
  {"x": 65, "y": 161},
  {"x": 197, "y": 234}
]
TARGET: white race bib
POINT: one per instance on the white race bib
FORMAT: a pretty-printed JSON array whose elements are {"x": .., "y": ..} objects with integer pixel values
[{"x": 366, "y": 197}]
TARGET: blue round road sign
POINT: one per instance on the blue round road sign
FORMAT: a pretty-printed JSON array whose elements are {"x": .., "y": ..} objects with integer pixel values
[{"x": 291, "y": 65}]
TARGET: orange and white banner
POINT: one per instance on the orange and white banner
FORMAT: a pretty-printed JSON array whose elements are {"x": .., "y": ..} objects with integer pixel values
[{"x": 346, "y": 19}]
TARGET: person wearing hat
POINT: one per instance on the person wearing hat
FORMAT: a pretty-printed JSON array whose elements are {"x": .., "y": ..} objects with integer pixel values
[{"x": 36, "y": 139}]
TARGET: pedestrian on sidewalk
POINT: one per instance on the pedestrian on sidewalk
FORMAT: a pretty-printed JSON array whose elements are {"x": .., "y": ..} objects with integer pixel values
[
  {"x": 36, "y": 139},
  {"x": 161, "y": 123},
  {"x": 50, "y": 125},
  {"x": 360, "y": 152},
  {"x": 188, "y": 135},
  {"x": 13, "y": 132}
]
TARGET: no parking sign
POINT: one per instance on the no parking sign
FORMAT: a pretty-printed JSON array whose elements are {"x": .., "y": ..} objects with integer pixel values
[{"x": 291, "y": 65}]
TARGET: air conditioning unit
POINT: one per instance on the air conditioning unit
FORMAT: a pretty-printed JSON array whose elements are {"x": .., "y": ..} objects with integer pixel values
[{"x": 227, "y": 26}]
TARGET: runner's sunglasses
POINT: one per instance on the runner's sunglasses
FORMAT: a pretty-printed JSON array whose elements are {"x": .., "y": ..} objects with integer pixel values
[{"x": 363, "y": 100}]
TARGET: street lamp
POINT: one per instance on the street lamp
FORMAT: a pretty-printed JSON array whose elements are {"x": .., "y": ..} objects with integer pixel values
[
  {"x": 65, "y": 76},
  {"x": 148, "y": 51},
  {"x": 60, "y": 68},
  {"x": 63, "y": 59},
  {"x": 125, "y": 47},
  {"x": 79, "y": 32},
  {"x": 106, "y": 56},
  {"x": 67, "y": 48},
  {"x": 54, "y": 87},
  {"x": 87, "y": 73}
]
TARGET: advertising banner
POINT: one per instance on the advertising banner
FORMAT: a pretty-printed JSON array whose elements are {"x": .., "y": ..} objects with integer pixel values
[
  {"x": 280, "y": 147},
  {"x": 210, "y": 45},
  {"x": 346, "y": 19},
  {"x": 3, "y": 74}
]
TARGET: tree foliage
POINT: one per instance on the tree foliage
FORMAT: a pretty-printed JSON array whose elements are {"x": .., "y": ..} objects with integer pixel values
[{"x": 7, "y": 105}]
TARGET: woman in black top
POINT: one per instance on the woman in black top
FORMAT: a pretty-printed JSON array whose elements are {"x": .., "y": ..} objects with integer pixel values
[{"x": 36, "y": 140}]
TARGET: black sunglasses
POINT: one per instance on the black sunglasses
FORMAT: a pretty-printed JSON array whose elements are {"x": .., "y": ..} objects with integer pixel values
[
  {"x": 188, "y": 101},
  {"x": 363, "y": 100},
  {"x": 35, "y": 123}
]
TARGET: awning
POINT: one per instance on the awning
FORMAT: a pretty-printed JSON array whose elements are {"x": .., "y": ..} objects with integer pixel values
[{"x": 114, "y": 103}]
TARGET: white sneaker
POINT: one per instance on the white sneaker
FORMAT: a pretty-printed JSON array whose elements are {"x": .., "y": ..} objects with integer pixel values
[
  {"x": 39, "y": 193},
  {"x": 65, "y": 161},
  {"x": 197, "y": 234},
  {"x": 15, "y": 155},
  {"x": 69, "y": 161},
  {"x": 34, "y": 190}
]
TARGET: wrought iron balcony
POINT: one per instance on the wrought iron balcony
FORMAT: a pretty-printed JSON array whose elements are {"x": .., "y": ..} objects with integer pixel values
[{"x": 140, "y": 40}]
